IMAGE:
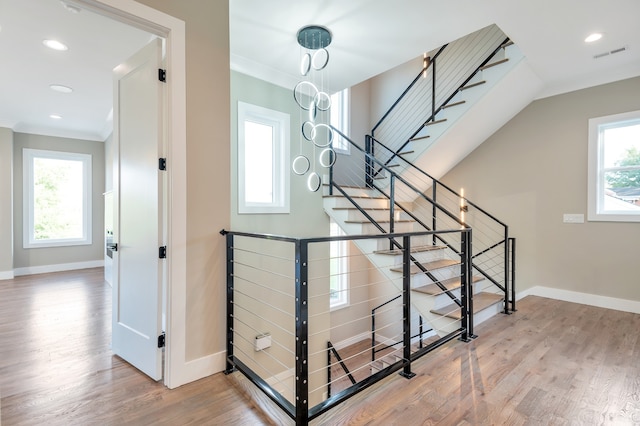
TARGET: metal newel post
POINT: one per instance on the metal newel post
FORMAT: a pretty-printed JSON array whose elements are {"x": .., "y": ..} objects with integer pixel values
[
  {"x": 433, "y": 89},
  {"x": 368, "y": 169},
  {"x": 230, "y": 366},
  {"x": 464, "y": 289},
  {"x": 513, "y": 274},
  {"x": 434, "y": 211},
  {"x": 406, "y": 306},
  {"x": 506, "y": 270},
  {"x": 392, "y": 209},
  {"x": 302, "y": 332}
]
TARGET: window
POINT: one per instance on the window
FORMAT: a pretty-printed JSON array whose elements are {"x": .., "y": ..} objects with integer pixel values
[
  {"x": 263, "y": 160},
  {"x": 339, "y": 270},
  {"x": 340, "y": 119},
  {"x": 57, "y": 198},
  {"x": 614, "y": 168}
]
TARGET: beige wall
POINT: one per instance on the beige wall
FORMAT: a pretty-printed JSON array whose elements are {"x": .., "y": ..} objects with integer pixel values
[
  {"x": 6, "y": 203},
  {"x": 307, "y": 217},
  {"x": 532, "y": 171},
  {"x": 29, "y": 258},
  {"x": 207, "y": 56}
]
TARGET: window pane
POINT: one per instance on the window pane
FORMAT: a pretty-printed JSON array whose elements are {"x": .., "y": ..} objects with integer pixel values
[
  {"x": 622, "y": 146},
  {"x": 258, "y": 165},
  {"x": 58, "y": 199}
]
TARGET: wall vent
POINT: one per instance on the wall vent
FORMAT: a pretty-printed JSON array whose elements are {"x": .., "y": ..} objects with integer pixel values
[{"x": 611, "y": 52}]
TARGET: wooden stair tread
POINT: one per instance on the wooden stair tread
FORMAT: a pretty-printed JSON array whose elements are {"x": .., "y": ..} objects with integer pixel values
[
  {"x": 481, "y": 301},
  {"x": 449, "y": 284},
  {"x": 453, "y": 104},
  {"x": 429, "y": 266},
  {"x": 405, "y": 152},
  {"x": 417, "y": 249},
  {"x": 419, "y": 138},
  {"x": 363, "y": 208},
  {"x": 431, "y": 123},
  {"x": 355, "y": 196},
  {"x": 469, "y": 86},
  {"x": 380, "y": 221},
  {"x": 493, "y": 64}
]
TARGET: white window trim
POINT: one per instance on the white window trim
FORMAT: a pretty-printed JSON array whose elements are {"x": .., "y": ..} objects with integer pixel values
[
  {"x": 28, "y": 156},
  {"x": 281, "y": 186},
  {"x": 595, "y": 194},
  {"x": 345, "y": 121},
  {"x": 342, "y": 274}
]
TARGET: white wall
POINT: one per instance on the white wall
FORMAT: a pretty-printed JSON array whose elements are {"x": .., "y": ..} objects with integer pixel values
[{"x": 6, "y": 203}]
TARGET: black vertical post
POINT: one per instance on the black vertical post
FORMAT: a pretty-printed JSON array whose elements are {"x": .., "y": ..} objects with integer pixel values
[
  {"x": 302, "y": 333},
  {"x": 328, "y": 369},
  {"x": 392, "y": 205},
  {"x": 465, "y": 288},
  {"x": 506, "y": 270},
  {"x": 420, "y": 320},
  {"x": 230, "y": 367},
  {"x": 373, "y": 335},
  {"x": 368, "y": 169},
  {"x": 513, "y": 274},
  {"x": 331, "y": 154},
  {"x": 406, "y": 306},
  {"x": 434, "y": 211},
  {"x": 433, "y": 89}
]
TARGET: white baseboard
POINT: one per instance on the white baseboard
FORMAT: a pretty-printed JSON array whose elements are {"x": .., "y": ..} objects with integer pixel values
[
  {"x": 351, "y": 340},
  {"x": 203, "y": 367},
  {"x": 30, "y": 270},
  {"x": 582, "y": 298},
  {"x": 6, "y": 275}
]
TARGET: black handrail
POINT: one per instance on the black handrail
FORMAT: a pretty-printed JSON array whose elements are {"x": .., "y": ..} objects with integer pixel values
[
  {"x": 299, "y": 410},
  {"x": 435, "y": 111},
  {"x": 415, "y": 80}
]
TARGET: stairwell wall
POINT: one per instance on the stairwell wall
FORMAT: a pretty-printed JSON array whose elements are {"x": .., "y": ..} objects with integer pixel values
[{"x": 532, "y": 171}]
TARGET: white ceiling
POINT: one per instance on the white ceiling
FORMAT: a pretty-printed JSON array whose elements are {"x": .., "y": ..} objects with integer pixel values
[{"x": 369, "y": 37}]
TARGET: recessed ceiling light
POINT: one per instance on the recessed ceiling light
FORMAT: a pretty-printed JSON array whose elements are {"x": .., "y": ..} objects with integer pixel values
[
  {"x": 60, "y": 88},
  {"x": 55, "y": 45},
  {"x": 593, "y": 37},
  {"x": 55, "y": 116}
]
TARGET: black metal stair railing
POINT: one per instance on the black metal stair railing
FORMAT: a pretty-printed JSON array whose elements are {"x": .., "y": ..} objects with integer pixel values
[
  {"x": 432, "y": 211},
  {"x": 431, "y": 91},
  {"x": 279, "y": 283},
  {"x": 375, "y": 348}
]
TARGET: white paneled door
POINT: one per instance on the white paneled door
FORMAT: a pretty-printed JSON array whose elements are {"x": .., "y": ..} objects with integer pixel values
[{"x": 138, "y": 219}]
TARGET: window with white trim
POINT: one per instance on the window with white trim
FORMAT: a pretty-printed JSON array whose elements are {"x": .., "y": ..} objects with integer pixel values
[
  {"x": 56, "y": 198},
  {"x": 614, "y": 168},
  {"x": 263, "y": 160},
  {"x": 340, "y": 120},
  {"x": 339, "y": 269}
]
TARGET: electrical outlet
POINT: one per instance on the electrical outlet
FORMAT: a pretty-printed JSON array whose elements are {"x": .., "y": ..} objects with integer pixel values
[
  {"x": 263, "y": 341},
  {"x": 573, "y": 218}
]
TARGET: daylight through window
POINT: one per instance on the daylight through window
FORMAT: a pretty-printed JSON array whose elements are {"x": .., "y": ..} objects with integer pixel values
[
  {"x": 57, "y": 198},
  {"x": 614, "y": 168}
]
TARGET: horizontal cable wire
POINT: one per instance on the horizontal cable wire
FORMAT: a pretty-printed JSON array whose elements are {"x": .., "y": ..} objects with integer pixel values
[
  {"x": 262, "y": 303},
  {"x": 273, "y": 376},
  {"x": 258, "y": 332},
  {"x": 261, "y": 254},
  {"x": 262, "y": 318},
  {"x": 264, "y": 270},
  {"x": 283, "y": 293}
]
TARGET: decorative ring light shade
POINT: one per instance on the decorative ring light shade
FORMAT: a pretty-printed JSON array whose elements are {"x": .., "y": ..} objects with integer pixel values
[{"x": 311, "y": 97}]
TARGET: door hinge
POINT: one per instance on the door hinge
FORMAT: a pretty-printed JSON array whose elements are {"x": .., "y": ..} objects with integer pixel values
[
  {"x": 162, "y": 163},
  {"x": 162, "y": 253},
  {"x": 162, "y": 75},
  {"x": 161, "y": 340}
]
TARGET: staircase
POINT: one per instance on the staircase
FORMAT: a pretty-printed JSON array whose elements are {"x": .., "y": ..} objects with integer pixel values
[
  {"x": 391, "y": 192},
  {"x": 436, "y": 292}
]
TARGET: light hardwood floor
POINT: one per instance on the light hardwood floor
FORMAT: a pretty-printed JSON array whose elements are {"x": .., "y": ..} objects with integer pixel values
[{"x": 550, "y": 363}]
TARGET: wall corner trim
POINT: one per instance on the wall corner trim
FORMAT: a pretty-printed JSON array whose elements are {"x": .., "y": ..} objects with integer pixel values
[
  {"x": 6, "y": 275},
  {"x": 199, "y": 368}
]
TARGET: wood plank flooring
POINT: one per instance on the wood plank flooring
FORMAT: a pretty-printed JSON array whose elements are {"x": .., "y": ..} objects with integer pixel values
[{"x": 550, "y": 363}]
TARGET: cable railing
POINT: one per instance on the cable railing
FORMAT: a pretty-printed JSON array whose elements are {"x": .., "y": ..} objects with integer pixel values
[
  {"x": 279, "y": 318},
  {"x": 454, "y": 67},
  {"x": 418, "y": 200}
]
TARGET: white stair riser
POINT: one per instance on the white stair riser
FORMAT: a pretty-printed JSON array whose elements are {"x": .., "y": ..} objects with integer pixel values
[
  {"x": 422, "y": 256},
  {"x": 365, "y": 203}
]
